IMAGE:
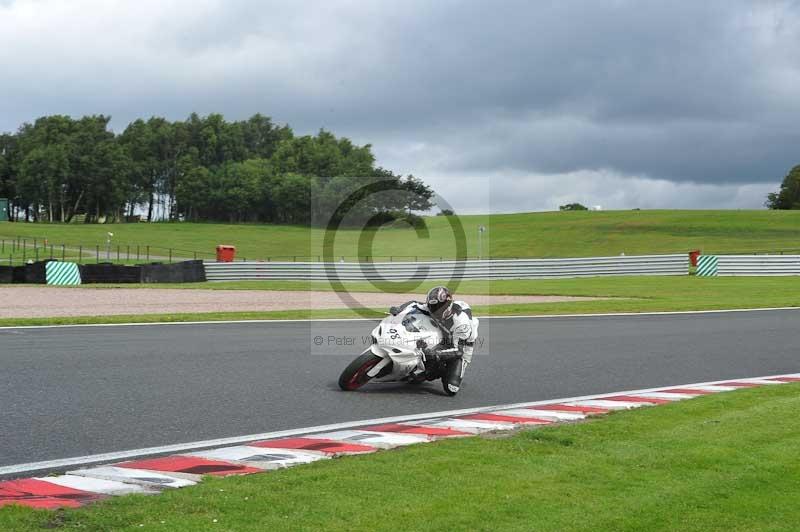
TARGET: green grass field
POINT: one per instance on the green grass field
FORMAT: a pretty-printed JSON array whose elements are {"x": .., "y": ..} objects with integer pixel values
[
  {"x": 628, "y": 294},
  {"x": 549, "y": 234},
  {"x": 722, "y": 462}
]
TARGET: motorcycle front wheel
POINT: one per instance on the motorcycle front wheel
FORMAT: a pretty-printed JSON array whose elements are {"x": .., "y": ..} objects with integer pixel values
[
  {"x": 355, "y": 375},
  {"x": 447, "y": 390}
]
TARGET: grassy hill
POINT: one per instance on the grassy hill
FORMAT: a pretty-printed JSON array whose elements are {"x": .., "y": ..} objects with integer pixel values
[{"x": 550, "y": 234}]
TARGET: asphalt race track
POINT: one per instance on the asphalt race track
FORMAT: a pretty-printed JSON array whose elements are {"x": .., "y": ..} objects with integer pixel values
[{"x": 68, "y": 392}]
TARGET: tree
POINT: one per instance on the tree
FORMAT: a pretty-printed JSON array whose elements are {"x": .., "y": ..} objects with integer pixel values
[
  {"x": 156, "y": 147},
  {"x": 292, "y": 197},
  {"x": 237, "y": 191},
  {"x": 8, "y": 166},
  {"x": 110, "y": 185},
  {"x": 193, "y": 192},
  {"x": 139, "y": 141},
  {"x": 261, "y": 137},
  {"x": 418, "y": 196},
  {"x": 44, "y": 154},
  {"x": 572, "y": 207},
  {"x": 788, "y": 197},
  {"x": 94, "y": 160},
  {"x": 42, "y": 179}
]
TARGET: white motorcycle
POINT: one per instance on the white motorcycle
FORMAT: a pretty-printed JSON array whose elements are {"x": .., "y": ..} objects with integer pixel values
[{"x": 397, "y": 353}]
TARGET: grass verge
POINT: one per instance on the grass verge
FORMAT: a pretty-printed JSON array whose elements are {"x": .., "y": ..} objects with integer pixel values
[
  {"x": 628, "y": 294},
  {"x": 543, "y": 234},
  {"x": 179, "y": 318},
  {"x": 722, "y": 462}
]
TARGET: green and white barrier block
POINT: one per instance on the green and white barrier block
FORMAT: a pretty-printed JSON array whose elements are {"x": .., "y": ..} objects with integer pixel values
[
  {"x": 62, "y": 273},
  {"x": 707, "y": 266}
]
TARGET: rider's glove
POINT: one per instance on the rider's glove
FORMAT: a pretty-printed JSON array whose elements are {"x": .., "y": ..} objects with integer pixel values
[{"x": 431, "y": 356}]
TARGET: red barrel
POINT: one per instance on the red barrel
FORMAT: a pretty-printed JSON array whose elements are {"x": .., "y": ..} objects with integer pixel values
[{"x": 226, "y": 253}]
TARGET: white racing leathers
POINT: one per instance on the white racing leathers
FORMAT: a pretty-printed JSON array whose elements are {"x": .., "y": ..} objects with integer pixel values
[{"x": 461, "y": 328}]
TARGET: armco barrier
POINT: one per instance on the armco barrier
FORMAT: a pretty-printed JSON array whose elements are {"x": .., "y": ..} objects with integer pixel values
[
  {"x": 754, "y": 265},
  {"x": 475, "y": 269}
]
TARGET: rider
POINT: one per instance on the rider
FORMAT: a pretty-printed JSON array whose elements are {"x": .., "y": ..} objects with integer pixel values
[{"x": 460, "y": 328}]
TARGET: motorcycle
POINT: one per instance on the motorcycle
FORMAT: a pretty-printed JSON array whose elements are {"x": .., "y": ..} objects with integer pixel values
[{"x": 397, "y": 353}]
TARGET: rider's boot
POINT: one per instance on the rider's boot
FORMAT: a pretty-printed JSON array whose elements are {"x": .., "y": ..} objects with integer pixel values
[{"x": 454, "y": 374}]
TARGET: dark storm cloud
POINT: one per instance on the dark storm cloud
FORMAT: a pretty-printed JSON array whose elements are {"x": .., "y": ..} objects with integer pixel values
[{"x": 702, "y": 92}]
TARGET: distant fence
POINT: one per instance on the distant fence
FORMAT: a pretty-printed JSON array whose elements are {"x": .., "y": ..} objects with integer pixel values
[
  {"x": 476, "y": 269},
  {"x": 751, "y": 265},
  {"x": 20, "y": 250}
]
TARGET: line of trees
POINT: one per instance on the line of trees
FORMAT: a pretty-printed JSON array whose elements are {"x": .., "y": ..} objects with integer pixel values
[{"x": 200, "y": 169}]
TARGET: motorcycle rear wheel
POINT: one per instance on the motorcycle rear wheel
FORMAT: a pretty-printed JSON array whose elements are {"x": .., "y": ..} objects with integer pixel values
[{"x": 355, "y": 375}]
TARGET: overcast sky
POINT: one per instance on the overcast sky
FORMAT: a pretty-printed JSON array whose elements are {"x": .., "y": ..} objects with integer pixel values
[{"x": 502, "y": 106}]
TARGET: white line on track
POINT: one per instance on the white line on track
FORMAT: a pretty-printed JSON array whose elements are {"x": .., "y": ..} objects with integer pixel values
[
  {"x": 323, "y": 320},
  {"x": 52, "y": 465}
]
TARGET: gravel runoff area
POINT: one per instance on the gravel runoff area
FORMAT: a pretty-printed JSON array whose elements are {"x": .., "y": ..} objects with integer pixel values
[{"x": 51, "y": 302}]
